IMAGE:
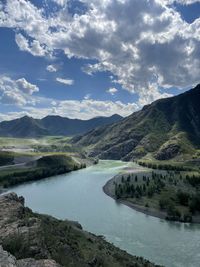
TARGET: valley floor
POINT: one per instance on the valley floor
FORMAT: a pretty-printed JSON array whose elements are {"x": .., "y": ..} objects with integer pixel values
[{"x": 24, "y": 160}]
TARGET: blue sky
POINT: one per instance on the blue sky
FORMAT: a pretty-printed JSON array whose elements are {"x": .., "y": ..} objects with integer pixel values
[{"x": 82, "y": 59}]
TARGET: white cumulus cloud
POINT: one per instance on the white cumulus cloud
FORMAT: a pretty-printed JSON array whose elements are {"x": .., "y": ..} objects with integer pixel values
[
  {"x": 145, "y": 45},
  {"x": 16, "y": 92},
  {"x": 26, "y": 87},
  {"x": 34, "y": 47}
]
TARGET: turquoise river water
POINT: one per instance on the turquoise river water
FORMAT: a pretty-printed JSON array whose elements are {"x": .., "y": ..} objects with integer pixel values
[{"x": 79, "y": 196}]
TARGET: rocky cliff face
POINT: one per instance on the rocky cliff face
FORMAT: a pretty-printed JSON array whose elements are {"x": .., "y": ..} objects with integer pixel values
[{"x": 28, "y": 239}]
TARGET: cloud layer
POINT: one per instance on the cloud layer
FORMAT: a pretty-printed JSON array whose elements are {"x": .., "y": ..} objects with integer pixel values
[
  {"x": 146, "y": 45},
  {"x": 21, "y": 93},
  {"x": 85, "y": 109}
]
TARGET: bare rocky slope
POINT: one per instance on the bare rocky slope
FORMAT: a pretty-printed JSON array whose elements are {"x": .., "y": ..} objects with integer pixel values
[{"x": 28, "y": 239}]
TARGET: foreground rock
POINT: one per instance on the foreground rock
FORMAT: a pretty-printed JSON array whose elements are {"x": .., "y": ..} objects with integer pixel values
[
  {"x": 32, "y": 240},
  {"x": 7, "y": 260}
]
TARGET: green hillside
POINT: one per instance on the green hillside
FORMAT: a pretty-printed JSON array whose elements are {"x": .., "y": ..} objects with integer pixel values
[{"x": 167, "y": 129}]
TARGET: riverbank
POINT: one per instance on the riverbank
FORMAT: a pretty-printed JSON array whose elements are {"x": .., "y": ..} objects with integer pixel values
[
  {"x": 56, "y": 242},
  {"x": 152, "y": 194},
  {"x": 108, "y": 190}
]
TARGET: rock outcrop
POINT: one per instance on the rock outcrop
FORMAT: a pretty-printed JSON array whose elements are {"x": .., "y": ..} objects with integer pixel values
[
  {"x": 168, "y": 152},
  {"x": 8, "y": 260}
]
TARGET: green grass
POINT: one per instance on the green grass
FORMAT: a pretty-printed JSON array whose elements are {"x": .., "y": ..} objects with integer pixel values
[
  {"x": 44, "y": 167},
  {"x": 169, "y": 164}
]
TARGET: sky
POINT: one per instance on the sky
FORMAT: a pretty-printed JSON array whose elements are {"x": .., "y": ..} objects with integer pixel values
[{"x": 88, "y": 58}]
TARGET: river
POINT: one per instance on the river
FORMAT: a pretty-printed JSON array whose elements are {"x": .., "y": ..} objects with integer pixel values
[{"x": 79, "y": 196}]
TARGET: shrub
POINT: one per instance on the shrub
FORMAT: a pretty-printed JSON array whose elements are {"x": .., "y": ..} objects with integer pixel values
[
  {"x": 194, "y": 203},
  {"x": 183, "y": 198}
]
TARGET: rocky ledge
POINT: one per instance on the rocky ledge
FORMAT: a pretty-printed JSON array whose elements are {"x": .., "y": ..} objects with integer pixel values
[{"x": 28, "y": 239}]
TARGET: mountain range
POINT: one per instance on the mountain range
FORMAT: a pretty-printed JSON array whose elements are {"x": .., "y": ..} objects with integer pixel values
[
  {"x": 168, "y": 128},
  {"x": 52, "y": 125}
]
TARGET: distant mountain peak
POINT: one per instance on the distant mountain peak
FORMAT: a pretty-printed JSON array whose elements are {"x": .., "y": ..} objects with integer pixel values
[{"x": 51, "y": 125}]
